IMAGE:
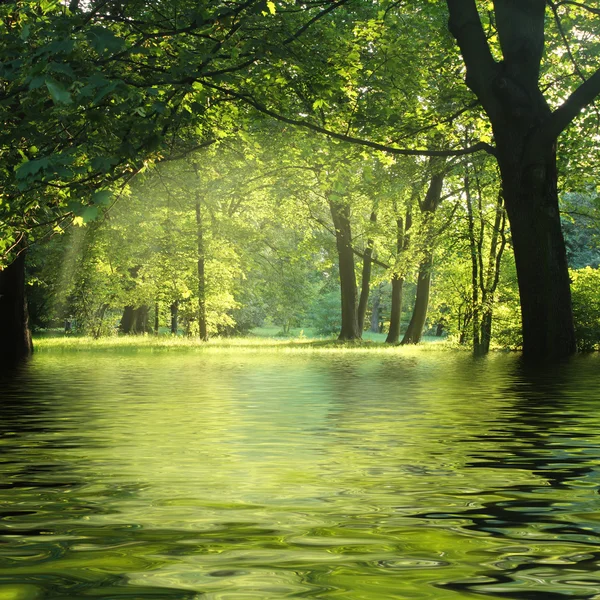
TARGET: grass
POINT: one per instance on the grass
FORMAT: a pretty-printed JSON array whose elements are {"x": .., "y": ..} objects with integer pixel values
[{"x": 258, "y": 342}]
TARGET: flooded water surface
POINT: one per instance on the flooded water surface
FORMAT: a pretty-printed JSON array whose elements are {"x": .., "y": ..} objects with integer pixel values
[{"x": 232, "y": 476}]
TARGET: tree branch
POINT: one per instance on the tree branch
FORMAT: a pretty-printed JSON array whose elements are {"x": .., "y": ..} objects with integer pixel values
[
  {"x": 466, "y": 27},
  {"x": 479, "y": 147},
  {"x": 594, "y": 11},
  {"x": 565, "y": 114}
]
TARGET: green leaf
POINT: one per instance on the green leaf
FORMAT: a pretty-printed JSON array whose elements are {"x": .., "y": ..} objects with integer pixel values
[
  {"x": 31, "y": 168},
  {"x": 59, "y": 94},
  {"x": 90, "y": 213},
  {"x": 103, "y": 163},
  {"x": 102, "y": 197},
  {"x": 271, "y": 7},
  {"x": 103, "y": 40}
]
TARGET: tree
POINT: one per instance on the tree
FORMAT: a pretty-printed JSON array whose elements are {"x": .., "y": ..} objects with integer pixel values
[{"x": 526, "y": 131}]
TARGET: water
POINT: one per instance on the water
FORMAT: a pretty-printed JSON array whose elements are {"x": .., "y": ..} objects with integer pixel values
[{"x": 271, "y": 475}]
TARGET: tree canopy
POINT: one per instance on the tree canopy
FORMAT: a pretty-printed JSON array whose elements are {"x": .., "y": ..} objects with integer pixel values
[{"x": 303, "y": 142}]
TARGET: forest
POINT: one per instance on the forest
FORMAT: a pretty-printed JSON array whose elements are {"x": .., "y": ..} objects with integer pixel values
[
  {"x": 299, "y": 299},
  {"x": 325, "y": 168}
]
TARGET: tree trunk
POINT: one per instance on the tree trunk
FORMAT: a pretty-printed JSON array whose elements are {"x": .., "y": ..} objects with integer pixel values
[
  {"x": 402, "y": 243},
  {"x": 201, "y": 272},
  {"x": 100, "y": 317},
  {"x": 343, "y": 237},
  {"x": 156, "y": 317},
  {"x": 141, "y": 319},
  {"x": 526, "y": 131},
  {"x": 417, "y": 321},
  {"x": 428, "y": 206},
  {"x": 366, "y": 280},
  {"x": 475, "y": 252},
  {"x": 396, "y": 311},
  {"x": 375, "y": 311},
  {"x": 486, "y": 332},
  {"x": 127, "y": 320},
  {"x": 174, "y": 317},
  {"x": 492, "y": 278},
  {"x": 542, "y": 271},
  {"x": 15, "y": 337}
]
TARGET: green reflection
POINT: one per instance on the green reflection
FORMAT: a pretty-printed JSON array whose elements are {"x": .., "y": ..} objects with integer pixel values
[{"x": 288, "y": 475}]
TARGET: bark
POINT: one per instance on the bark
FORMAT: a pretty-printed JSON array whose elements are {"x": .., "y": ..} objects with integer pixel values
[
  {"x": 127, "y": 324},
  {"x": 366, "y": 280},
  {"x": 417, "y": 322},
  {"x": 475, "y": 252},
  {"x": 156, "y": 317},
  {"x": 541, "y": 260},
  {"x": 526, "y": 132},
  {"x": 375, "y": 311},
  {"x": 492, "y": 279},
  {"x": 428, "y": 206},
  {"x": 201, "y": 272},
  {"x": 393, "y": 336},
  {"x": 141, "y": 319},
  {"x": 174, "y": 317},
  {"x": 343, "y": 237},
  {"x": 15, "y": 337},
  {"x": 402, "y": 243}
]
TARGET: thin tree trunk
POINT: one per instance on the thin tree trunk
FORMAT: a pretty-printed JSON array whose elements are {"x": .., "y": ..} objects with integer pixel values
[
  {"x": 15, "y": 337},
  {"x": 366, "y": 279},
  {"x": 429, "y": 205},
  {"x": 174, "y": 317},
  {"x": 492, "y": 279},
  {"x": 343, "y": 237},
  {"x": 393, "y": 335},
  {"x": 475, "y": 257},
  {"x": 156, "y": 317},
  {"x": 100, "y": 315},
  {"x": 375, "y": 310},
  {"x": 402, "y": 243},
  {"x": 414, "y": 332},
  {"x": 201, "y": 272}
]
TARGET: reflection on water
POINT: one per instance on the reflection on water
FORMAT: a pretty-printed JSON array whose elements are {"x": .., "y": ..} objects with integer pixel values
[{"x": 267, "y": 476}]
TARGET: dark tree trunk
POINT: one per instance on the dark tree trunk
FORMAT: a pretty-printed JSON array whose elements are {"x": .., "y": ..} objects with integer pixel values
[
  {"x": 402, "y": 243},
  {"x": 417, "y": 321},
  {"x": 174, "y": 317},
  {"x": 141, "y": 319},
  {"x": 542, "y": 271},
  {"x": 127, "y": 324},
  {"x": 15, "y": 337},
  {"x": 365, "y": 280},
  {"x": 375, "y": 311},
  {"x": 156, "y": 317},
  {"x": 486, "y": 333},
  {"x": 201, "y": 273},
  {"x": 393, "y": 335},
  {"x": 428, "y": 206},
  {"x": 343, "y": 237}
]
